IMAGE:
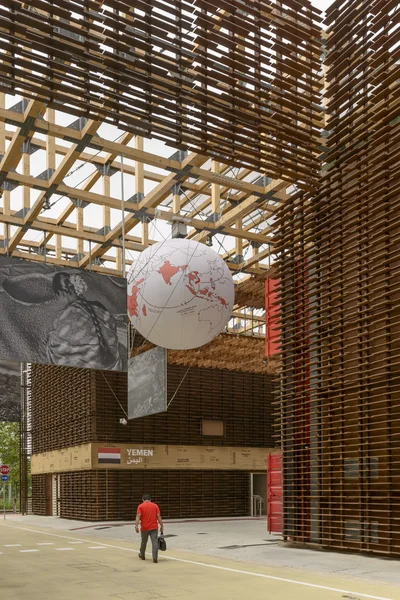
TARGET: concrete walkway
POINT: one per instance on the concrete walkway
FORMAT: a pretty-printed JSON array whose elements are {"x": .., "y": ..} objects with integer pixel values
[
  {"x": 47, "y": 563},
  {"x": 243, "y": 540}
]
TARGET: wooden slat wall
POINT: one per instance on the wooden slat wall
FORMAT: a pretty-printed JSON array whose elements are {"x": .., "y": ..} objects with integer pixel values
[
  {"x": 240, "y": 82},
  {"x": 63, "y": 407},
  {"x": 76, "y": 406},
  {"x": 242, "y": 400},
  {"x": 339, "y": 407},
  {"x": 114, "y": 495}
]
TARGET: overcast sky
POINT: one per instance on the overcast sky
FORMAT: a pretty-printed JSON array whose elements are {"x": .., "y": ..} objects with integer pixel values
[{"x": 322, "y": 4}]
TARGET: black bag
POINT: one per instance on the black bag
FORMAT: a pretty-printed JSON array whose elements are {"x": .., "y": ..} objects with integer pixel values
[{"x": 162, "y": 544}]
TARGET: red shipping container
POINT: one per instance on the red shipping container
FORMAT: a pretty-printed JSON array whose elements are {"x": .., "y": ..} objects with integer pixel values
[{"x": 274, "y": 493}]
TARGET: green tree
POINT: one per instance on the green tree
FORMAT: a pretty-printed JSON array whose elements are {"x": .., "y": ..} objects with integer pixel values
[{"x": 9, "y": 452}]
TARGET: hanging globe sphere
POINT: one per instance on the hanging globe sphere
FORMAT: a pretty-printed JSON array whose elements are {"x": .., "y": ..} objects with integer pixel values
[{"x": 180, "y": 294}]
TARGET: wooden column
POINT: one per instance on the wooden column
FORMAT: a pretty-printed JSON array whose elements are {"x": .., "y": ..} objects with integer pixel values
[
  {"x": 239, "y": 241},
  {"x": 6, "y": 194},
  {"x": 215, "y": 189}
]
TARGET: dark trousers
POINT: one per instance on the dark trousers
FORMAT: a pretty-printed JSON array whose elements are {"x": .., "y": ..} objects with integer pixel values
[{"x": 153, "y": 533}]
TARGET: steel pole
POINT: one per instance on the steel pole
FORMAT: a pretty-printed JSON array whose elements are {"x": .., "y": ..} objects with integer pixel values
[{"x": 123, "y": 215}]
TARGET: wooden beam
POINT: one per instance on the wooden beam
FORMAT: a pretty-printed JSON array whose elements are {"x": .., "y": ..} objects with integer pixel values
[
  {"x": 56, "y": 178},
  {"x": 13, "y": 154}
]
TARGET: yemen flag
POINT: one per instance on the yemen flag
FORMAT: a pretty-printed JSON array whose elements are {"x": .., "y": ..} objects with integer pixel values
[{"x": 109, "y": 456}]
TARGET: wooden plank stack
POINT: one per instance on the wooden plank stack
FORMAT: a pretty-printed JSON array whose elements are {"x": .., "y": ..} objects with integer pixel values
[{"x": 240, "y": 83}]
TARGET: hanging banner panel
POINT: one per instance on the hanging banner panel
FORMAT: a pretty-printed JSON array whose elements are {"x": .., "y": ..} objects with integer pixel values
[
  {"x": 147, "y": 383},
  {"x": 62, "y": 316},
  {"x": 10, "y": 391}
]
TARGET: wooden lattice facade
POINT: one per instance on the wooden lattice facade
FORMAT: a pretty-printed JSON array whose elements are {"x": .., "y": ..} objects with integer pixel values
[
  {"x": 339, "y": 405},
  {"x": 238, "y": 82}
]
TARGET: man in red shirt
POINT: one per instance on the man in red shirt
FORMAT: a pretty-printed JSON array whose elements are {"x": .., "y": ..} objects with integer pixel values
[{"x": 148, "y": 515}]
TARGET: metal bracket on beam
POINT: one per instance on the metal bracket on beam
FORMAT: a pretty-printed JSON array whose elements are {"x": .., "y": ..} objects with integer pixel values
[
  {"x": 29, "y": 148},
  {"x": 263, "y": 181},
  {"x": 256, "y": 244},
  {"x": 98, "y": 261},
  {"x": 46, "y": 175},
  {"x": 79, "y": 203},
  {"x": 20, "y": 107},
  {"x": 213, "y": 218},
  {"x": 27, "y": 126},
  {"x": 79, "y": 124},
  {"x": 138, "y": 197},
  {"x": 41, "y": 250},
  {"x": 262, "y": 197},
  {"x": 21, "y": 214},
  {"x": 76, "y": 257},
  {"x": 141, "y": 214},
  {"x": 5, "y": 185},
  {"x": 104, "y": 230},
  {"x": 181, "y": 174},
  {"x": 85, "y": 141},
  {"x": 237, "y": 260},
  {"x": 107, "y": 169},
  {"x": 106, "y": 244},
  {"x": 179, "y": 155}
]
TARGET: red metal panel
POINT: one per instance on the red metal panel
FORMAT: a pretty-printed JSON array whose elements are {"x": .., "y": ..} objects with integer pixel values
[
  {"x": 274, "y": 493},
  {"x": 272, "y": 317}
]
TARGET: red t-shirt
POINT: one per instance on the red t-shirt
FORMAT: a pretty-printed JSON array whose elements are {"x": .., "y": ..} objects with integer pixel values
[{"x": 148, "y": 512}]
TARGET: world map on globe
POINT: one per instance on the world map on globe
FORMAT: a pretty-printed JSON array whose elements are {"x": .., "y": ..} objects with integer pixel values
[{"x": 180, "y": 294}]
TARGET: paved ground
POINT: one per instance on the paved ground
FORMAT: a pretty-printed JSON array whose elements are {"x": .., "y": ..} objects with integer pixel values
[{"x": 47, "y": 559}]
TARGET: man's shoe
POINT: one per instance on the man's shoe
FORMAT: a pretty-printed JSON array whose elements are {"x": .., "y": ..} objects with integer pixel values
[
  {"x": 155, "y": 560},
  {"x": 141, "y": 557}
]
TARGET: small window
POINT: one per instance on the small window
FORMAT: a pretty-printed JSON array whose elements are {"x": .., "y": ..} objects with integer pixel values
[
  {"x": 371, "y": 467},
  {"x": 352, "y": 531},
  {"x": 212, "y": 428},
  {"x": 351, "y": 468},
  {"x": 371, "y": 532}
]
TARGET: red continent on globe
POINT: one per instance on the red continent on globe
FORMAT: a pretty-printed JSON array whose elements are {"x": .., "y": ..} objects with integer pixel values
[
  {"x": 168, "y": 271},
  {"x": 132, "y": 299}
]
